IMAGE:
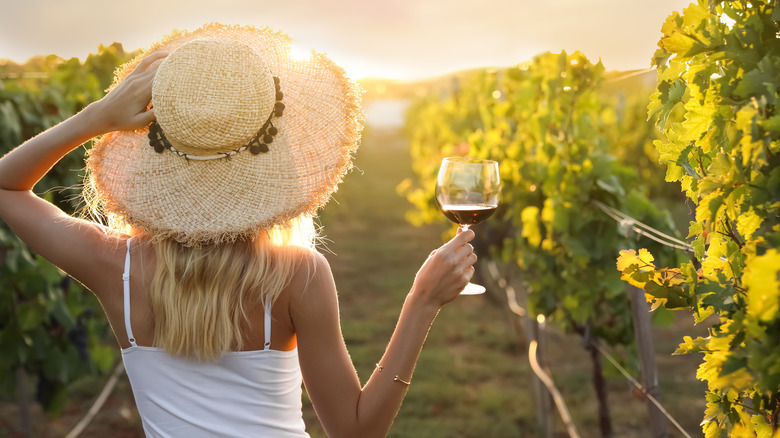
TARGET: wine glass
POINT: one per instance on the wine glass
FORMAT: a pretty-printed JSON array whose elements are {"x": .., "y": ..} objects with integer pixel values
[{"x": 468, "y": 191}]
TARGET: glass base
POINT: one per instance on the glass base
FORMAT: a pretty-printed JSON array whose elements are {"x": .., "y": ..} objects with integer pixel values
[{"x": 473, "y": 289}]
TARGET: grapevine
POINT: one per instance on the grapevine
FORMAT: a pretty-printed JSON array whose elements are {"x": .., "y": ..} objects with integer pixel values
[
  {"x": 552, "y": 131},
  {"x": 719, "y": 62}
]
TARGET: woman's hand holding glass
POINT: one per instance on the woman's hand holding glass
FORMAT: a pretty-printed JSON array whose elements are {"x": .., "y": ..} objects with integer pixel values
[{"x": 446, "y": 271}]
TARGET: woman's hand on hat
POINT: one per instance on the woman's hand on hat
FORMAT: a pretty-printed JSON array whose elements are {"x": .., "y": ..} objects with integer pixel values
[
  {"x": 126, "y": 107},
  {"x": 446, "y": 271}
]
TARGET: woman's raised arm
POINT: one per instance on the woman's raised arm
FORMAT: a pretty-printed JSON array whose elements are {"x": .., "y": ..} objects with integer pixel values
[
  {"x": 73, "y": 245},
  {"x": 343, "y": 407},
  {"x": 124, "y": 108}
]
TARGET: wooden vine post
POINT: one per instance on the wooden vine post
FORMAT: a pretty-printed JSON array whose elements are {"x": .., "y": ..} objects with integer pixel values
[
  {"x": 517, "y": 303},
  {"x": 543, "y": 396},
  {"x": 649, "y": 373}
]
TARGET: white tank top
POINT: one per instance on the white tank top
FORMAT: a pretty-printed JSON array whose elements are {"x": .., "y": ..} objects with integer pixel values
[{"x": 245, "y": 393}]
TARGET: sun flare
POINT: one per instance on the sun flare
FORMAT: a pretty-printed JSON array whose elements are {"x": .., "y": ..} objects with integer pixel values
[{"x": 299, "y": 53}]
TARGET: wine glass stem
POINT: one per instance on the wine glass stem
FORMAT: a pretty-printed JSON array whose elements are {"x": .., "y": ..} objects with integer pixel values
[{"x": 463, "y": 228}]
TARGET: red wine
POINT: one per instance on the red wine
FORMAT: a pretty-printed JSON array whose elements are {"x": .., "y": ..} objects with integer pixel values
[{"x": 468, "y": 214}]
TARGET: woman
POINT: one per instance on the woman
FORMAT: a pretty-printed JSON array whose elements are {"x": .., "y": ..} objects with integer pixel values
[{"x": 206, "y": 271}]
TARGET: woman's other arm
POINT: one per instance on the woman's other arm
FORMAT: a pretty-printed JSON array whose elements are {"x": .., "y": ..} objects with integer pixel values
[{"x": 344, "y": 408}]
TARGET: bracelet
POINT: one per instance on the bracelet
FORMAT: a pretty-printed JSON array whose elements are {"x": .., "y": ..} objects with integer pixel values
[{"x": 398, "y": 379}]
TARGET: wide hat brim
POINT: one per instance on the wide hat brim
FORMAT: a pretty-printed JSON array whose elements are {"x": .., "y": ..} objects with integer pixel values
[{"x": 202, "y": 202}]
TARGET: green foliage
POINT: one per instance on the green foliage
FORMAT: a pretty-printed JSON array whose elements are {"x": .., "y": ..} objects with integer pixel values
[
  {"x": 551, "y": 130},
  {"x": 49, "y": 325},
  {"x": 719, "y": 62},
  {"x": 632, "y": 133}
]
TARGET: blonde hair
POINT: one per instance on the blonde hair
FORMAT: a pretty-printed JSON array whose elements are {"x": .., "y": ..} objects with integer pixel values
[{"x": 200, "y": 294}]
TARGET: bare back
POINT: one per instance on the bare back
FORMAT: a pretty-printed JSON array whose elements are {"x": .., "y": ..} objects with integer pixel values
[{"x": 142, "y": 269}]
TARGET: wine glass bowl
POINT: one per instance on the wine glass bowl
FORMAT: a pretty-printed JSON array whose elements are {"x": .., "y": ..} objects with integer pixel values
[{"x": 468, "y": 191}]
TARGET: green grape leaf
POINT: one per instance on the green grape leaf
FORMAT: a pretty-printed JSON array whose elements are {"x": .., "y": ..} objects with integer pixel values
[
  {"x": 714, "y": 295},
  {"x": 755, "y": 82},
  {"x": 669, "y": 94},
  {"x": 104, "y": 356},
  {"x": 772, "y": 124},
  {"x": 694, "y": 229},
  {"x": 30, "y": 316},
  {"x": 733, "y": 364},
  {"x": 611, "y": 185},
  {"x": 60, "y": 310},
  {"x": 672, "y": 297}
]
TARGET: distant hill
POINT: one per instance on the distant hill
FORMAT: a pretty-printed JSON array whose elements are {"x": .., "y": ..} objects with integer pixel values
[
  {"x": 41, "y": 66},
  {"x": 615, "y": 81}
]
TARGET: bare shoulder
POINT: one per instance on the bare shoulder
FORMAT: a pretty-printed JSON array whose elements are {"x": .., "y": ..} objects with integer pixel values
[
  {"x": 311, "y": 269},
  {"x": 312, "y": 288},
  {"x": 110, "y": 249}
]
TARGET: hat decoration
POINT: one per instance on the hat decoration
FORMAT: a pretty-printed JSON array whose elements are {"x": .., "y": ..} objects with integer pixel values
[
  {"x": 259, "y": 142},
  {"x": 230, "y": 153}
]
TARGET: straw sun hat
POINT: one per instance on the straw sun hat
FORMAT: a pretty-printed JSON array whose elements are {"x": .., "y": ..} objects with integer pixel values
[{"x": 246, "y": 138}]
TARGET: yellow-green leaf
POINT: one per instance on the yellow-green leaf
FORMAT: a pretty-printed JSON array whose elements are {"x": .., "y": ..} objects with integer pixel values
[
  {"x": 629, "y": 257},
  {"x": 763, "y": 286},
  {"x": 690, "y": 345},
  {"x": 530, "y": 219},
  {"x": 748, "y": 223},
  {"x": 762, "y": 428}
]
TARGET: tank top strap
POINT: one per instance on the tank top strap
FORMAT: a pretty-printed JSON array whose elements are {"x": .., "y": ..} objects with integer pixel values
[
  {"x": 267, "y": 321},
  {"x": 126, "y": 285}
]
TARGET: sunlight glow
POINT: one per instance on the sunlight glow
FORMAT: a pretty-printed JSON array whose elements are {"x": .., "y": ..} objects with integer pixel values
[
  {"x": 426, "y": 43},
  {"x": 728, "y": 21},
  {"x": 298, "y": 53},
  {"x": 355, "y": 68}
]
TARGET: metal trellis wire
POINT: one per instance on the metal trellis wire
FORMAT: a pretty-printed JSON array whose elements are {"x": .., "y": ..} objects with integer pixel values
[{"x": 627, "y": 222}]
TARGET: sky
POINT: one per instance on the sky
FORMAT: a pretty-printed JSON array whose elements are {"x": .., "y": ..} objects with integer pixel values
[{"x": 400, "y": 39}]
